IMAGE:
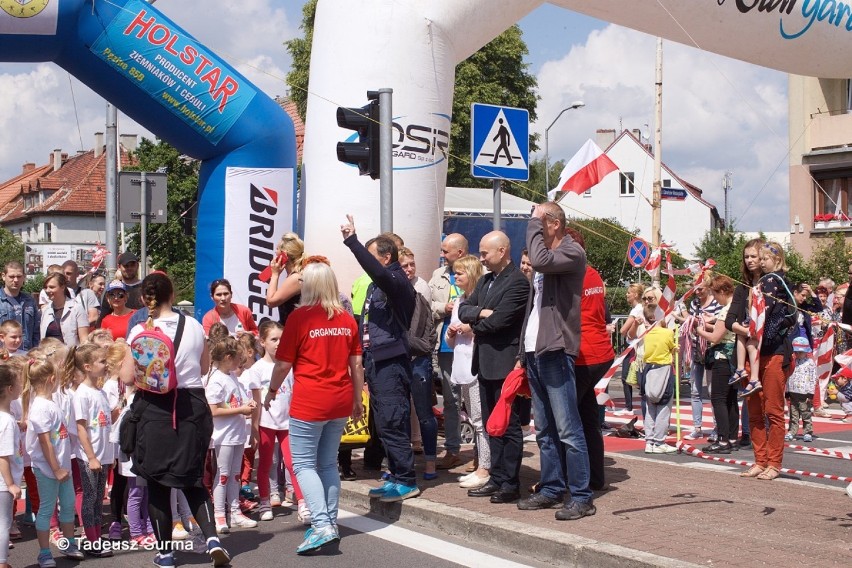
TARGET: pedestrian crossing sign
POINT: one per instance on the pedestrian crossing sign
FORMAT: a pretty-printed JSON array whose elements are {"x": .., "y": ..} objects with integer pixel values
[{"x": 499, "y": 142}]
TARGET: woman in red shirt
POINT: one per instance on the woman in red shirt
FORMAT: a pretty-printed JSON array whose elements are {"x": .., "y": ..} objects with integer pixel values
[
  {"x": 236, "y": 317},
  {"x": 322, "y": 347},
  {"x": 117, "y": 320}
]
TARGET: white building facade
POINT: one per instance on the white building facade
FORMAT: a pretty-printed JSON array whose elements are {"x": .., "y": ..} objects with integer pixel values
[{"x": 626, "y": 195}]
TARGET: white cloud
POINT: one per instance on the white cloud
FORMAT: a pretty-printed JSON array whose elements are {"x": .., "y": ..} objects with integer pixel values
[
  {"x": 38, "y": 114},
  {"x": 718, "y": 114}
]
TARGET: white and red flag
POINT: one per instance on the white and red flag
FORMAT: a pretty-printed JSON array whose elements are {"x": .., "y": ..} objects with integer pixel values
[
  {"x": 757, "y": 313},
  {"x": 584, "y": 170},
  {"x": 666, "y": 303},
  {"x": 824, "y": 350}
]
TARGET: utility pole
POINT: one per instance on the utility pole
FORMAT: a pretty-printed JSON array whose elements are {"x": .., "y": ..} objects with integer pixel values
[
  {"x": 656, "y": 203},
  {"x": 111, "y": 212},
  {"x": 727, "y": 185},
  {"x": 386, "y": 160}
]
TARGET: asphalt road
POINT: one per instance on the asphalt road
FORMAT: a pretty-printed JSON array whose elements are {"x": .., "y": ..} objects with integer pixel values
[{"x": 365, "y": 542}]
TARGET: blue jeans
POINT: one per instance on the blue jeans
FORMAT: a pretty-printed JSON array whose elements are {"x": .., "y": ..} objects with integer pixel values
[
  {"x": 559, "y": 430},
  {"x": 452, "y": 404},
  {"x": 696, "y": 382},
  {"x": 421, "y": 393},
  {"x": 390, "y": 398},
  {"x": 48, "y": 490},
  {"x": 314, "y": 447}
]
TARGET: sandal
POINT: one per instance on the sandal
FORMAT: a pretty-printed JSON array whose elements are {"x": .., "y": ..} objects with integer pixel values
[
  {"x": 769, "y": 473},
  {"x": 751, "y": 388},
  {"x": 753, "y": 471},
  {"x": 737, "y": 377}
]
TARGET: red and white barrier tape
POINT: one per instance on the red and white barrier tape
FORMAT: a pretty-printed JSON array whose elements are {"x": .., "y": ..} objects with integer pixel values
[
  {"x": 686, "y": 448},
  {"x": 821, "y": 452}
]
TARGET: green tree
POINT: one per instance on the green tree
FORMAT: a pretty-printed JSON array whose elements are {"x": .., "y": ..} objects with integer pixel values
[
  {"x": 606, "y": 248},
  {"x": 300, "y": 51},
  {"x": 11, "y": 247},
  {"x": 726, "y": 248},
  {"x": 496, "y": 74},
  {"x": 831, "y": 258},
  {"x": 169, "y": 245},
  {"x": 535, "y": 188}
]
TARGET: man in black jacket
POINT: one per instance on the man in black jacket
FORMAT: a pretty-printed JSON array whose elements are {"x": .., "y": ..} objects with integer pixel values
[
  {"x": 495, "y": 312},
  {"x": 386, "y": 317}
]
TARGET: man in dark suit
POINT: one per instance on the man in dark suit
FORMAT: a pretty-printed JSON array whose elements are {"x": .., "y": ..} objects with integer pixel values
[{"x": 495, "y": 312}]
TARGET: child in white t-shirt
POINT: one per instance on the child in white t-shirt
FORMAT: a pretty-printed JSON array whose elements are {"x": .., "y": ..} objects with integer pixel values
[
  {"x": 11, "y": 455},
  {"x": 48, "y": 444},
  {"x": 251, "y": 387},
  {"x": 229, "y": 406},
  {"x": 274, "y": 426},
  {"x": 93, "y": 415}
]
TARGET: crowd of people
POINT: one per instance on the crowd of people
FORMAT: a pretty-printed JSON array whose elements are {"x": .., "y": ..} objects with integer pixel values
[{"x": 81, "y": 416}]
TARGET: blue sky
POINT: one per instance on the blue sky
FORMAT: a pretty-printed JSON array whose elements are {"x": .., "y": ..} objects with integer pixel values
[{"x": 719, "y": 114}]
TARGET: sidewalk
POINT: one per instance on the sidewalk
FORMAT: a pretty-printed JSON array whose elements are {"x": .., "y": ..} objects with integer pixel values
[{"x": 655, "y": 513}]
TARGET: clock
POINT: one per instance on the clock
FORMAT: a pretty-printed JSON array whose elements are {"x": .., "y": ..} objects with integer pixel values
[{"x": 23, "y": 8}]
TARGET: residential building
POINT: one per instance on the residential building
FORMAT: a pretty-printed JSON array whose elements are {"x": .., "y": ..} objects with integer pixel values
[
  {"x": 820, "y": 134},
  {"x": 626, "y": 196},
  {"x": 58, "y": 209}
]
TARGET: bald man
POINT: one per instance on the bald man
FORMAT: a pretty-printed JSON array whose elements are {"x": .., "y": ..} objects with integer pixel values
[
  {"x": 495, "y": 312},
  {"x": 444, "y": 293}
]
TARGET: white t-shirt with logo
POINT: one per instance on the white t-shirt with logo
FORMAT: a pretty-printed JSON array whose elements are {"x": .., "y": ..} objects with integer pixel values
[
  {"x": 11, "y": 447},
  {"x": 248, "y": 382},
  {"x": 65, "y": 402},
  {"x": 225, "y": 391},
  {"x": 45, "y": 416},
  {"x": 192, "y": 346},
  {"x": 91, "y": 405},
  {"x": 278, "y": 415}
]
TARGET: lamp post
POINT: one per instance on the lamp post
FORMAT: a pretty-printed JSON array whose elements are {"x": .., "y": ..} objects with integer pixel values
[{"x": 575, "y": 104}]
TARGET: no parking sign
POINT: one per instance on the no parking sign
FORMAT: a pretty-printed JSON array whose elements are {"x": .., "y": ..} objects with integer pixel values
[{"x": 638, "y": 252}]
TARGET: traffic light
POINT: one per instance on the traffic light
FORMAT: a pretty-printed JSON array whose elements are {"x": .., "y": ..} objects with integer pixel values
[{"x": 365, "y": 121}]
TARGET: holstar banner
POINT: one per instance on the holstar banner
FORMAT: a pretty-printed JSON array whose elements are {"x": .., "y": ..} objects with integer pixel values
[
  {"x": 175, "y": 69},
  {"x": 258, "y": 210}
]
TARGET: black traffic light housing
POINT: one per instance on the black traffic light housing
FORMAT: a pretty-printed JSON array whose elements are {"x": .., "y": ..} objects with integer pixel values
[{"x": 365, "y": 121}]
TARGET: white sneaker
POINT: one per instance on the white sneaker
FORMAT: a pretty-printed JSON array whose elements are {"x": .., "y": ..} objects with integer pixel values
[
  {"x": 304, "y": 514},
  {"x": 466, "y": 476},
  {"x": 694, "y": 435},
  {"x": 664, "y": 449},
  {"x": 649, "y": 448},
  {"x": 241, "y": 521},
  {"x": 222, "y": 526},
  {"x": 623, "y": 412},
  {"x": 475, "y": 482},
  {"x": 266, "y": 515},
  {"x": 178, "y": 531},
  {"x": 275, "y": 500}
]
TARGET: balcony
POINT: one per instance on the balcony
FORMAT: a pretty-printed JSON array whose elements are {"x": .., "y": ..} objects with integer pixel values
[{"x": 830, "y": 131}]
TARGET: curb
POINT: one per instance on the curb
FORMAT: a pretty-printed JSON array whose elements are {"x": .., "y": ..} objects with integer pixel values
[{"x": 555, "y": 548}]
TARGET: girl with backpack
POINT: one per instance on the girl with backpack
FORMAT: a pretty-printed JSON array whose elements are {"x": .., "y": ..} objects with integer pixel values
[
  {"x": 173, "y": 429},
  {"x": 229, "y": 406}
]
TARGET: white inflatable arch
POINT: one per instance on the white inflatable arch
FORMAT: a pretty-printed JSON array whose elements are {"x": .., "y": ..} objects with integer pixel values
[{"x": 413, "y": 47}]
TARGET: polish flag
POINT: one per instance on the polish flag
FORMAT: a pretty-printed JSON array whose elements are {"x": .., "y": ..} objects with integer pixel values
[
  {"x": 824, "y": 350},
  {"x": 584, "y": 170}
]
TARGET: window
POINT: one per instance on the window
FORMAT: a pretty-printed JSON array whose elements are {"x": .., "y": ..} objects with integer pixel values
[
  {"x": 48, "y": 232},
  {"x": 831, "y": 192},
  {"x": 667, "y": 183},
  {"x": 627, "y": 186}
]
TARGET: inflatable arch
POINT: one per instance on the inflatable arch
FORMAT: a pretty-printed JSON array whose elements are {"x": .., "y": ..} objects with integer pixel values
[
  {"x": 413, "y": 47},
  {"x": 159, "y": 75}
]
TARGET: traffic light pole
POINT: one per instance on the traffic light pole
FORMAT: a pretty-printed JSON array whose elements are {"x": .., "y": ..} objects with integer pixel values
[{"x": 386, "y": 160}]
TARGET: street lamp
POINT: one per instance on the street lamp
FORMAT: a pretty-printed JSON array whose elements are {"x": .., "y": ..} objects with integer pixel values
[{"x": 575, "y": 104}]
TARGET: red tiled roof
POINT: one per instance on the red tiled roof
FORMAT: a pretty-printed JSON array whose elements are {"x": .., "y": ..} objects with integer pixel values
[
  {"x": 290, "y": 108},
  {"x": 76, "y": 187},
  {"x": 13, "y": 187}
]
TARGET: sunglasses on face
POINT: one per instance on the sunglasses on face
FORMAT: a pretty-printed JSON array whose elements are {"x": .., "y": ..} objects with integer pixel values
[
  {"x": 649, "y": 299},
  {"x": 117, "y": 295}
]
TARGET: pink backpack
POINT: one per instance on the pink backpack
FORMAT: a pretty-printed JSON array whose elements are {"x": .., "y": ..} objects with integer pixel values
[{"x": 154, "y": 355}]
